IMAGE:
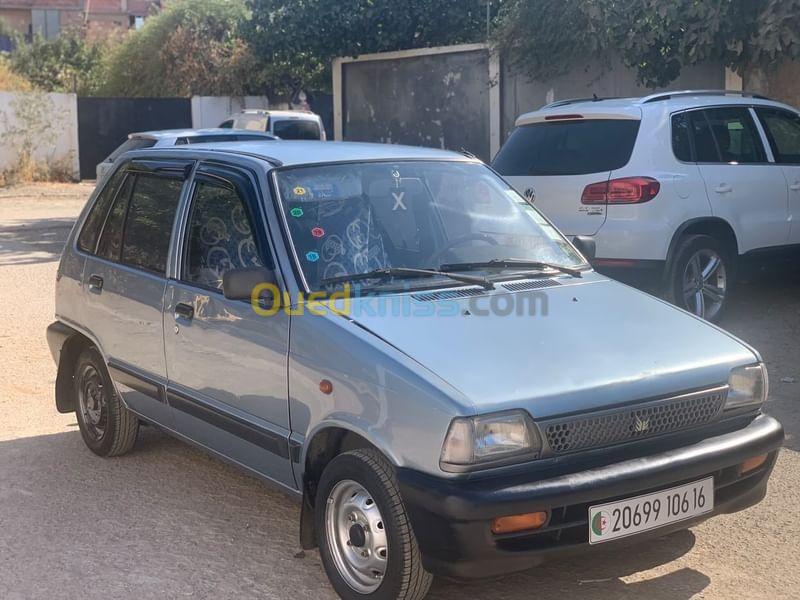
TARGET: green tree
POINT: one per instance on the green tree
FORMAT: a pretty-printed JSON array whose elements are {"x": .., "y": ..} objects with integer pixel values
[
  {"x": 68, "y": 63},
  {"x": 543, "y": 38},
  {"x": 295, "y": 42},
  {"x": 191, "y": 47}
]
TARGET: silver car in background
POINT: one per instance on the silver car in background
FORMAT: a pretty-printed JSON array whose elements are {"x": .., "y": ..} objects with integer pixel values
[
  {"x": 177, "y": 137},
  {"x": 283, "y": 124}
]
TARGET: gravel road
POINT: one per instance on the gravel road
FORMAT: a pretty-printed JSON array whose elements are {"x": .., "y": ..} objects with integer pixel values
[{"x": 168, "y": 521}]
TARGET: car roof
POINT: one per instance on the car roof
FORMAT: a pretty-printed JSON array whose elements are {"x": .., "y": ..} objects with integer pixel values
[
  {"x": 176, "y": 133},
  {"x": 632, "y": 107},
  {"x": 278, "y": 113},
  {"x": 302, "y": 152}
]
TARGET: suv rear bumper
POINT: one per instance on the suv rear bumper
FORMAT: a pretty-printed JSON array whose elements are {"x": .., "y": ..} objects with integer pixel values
[{"x": 451, "y": 518}]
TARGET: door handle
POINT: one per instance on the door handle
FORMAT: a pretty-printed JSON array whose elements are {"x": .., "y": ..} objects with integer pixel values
[
  {"x": 95, "y": 284},
  {"x": 795, "y": 187},
  {"x": 723, "y": 188},
  {"x": 184, "y": 311}
]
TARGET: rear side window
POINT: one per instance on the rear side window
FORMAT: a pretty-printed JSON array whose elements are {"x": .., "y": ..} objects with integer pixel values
[
  {"x": 148, "y": 226},
  {"x": 111, "y": 239},
  {"x": 705, "y": 146},
  {"x": 568, "y": 147},
  {"x": 131, "y": 144},
  {"x": 783, "y": 131},
  {"x": 681, "y": 137},
  {"x": 727, "y": 135},
  {"x": 87, "y": 239},
  {"x": 291, "y": 129}
]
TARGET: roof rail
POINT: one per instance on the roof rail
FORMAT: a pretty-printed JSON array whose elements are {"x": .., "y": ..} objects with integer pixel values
[
  {"x": 667, "y": 95},
  {"x": 568, "y": 101}
]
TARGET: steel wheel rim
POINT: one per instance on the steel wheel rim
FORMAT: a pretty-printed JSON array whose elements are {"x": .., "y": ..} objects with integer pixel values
[
  {"x": 705, "y": 283},
  {"x": 356, "y": 536},
  {"x": 92, "y": 402}
]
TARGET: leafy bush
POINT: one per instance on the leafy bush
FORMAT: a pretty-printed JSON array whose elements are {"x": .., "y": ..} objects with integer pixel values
[
  {"x": 191, "y": 47},
  {"x": 543, "y": 38},
  {"x": 11, "y": 81}
]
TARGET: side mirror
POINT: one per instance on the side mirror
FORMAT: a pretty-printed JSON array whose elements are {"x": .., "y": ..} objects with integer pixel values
[
  {"x": 238, "y": 284},
  {"x": 585, "y": 246}
]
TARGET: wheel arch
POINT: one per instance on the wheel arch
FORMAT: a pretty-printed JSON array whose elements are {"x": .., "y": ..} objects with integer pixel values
[
  {"x": 325, "y": 444},
  {"x": 715, "y": 227}
]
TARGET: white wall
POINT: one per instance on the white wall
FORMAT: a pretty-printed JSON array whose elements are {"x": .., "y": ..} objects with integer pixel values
[
  {"x": 210, "y": 111},
  {"x": 50, "y": 121}
]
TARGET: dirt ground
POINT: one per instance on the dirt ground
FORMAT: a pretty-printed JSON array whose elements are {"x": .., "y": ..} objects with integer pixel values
[{"x": 168, "y": 521}]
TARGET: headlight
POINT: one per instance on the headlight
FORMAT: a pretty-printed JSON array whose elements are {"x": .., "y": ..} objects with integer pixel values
[
  {"x": 747, "y": 385},
  {"x": 481, "y": 441}
]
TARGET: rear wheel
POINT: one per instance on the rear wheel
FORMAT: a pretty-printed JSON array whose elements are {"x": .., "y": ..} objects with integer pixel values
[
  {"x": 107, "y": 427},
  {"x": 366, "y": 543},
  {"x": 700, "y": 276}
]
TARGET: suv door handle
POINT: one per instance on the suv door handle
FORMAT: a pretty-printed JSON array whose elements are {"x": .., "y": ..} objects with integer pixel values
[
  {"x": 795, "y": 187},
  {"x": 95, "y": 284},
  {"x": 723, "y": 188},
  {"x": 184, "y": 311}
]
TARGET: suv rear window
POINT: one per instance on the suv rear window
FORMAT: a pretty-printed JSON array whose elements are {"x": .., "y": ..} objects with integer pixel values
[
  {"x": 568, "y": 147},
  {"x": 291, "y": 129}
]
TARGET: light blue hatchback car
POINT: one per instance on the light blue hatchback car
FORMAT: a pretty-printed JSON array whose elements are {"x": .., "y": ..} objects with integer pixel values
[{"x": 399, "y": 340}]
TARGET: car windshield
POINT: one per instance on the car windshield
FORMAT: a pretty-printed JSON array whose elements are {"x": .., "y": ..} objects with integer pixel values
[{"x": 354, "y": 218}]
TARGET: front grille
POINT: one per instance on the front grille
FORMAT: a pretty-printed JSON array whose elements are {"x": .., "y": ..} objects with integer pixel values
[{"x": 596, "y": 430}]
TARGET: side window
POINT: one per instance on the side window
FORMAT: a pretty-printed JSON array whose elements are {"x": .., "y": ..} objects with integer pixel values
[
  {"x": 783, "y": 131},
  {"x": 704, "y": 145},
  {"x": 736, "y": 135},
  {"x": 148, "y": 227},
  {"x": 220, "y": 236},
  {"x": 111, "y": 239},
  {"x": 87, "y": 239},
  {"x": 227, "y": 124},
  {"x": 681, "y": 140}
]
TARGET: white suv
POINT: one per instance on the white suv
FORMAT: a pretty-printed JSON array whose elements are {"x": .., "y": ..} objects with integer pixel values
[{"x": 679, "y": 183}]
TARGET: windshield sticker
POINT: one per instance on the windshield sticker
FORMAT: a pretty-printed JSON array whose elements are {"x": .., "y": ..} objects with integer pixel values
[
  {"x": 296, "y": 212},
  {"x": 312, "y": 256},
  {"x": 318, "y": 232},
  {"x": 299, "y": 191},
  {"x": 398, "y": 201}
]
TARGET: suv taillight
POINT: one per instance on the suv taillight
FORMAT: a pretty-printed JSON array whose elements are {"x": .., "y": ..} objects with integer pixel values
[{"x": 626, "y": 190}]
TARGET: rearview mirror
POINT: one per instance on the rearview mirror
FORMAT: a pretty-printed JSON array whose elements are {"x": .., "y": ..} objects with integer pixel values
[{"x": 238, "y": 284}]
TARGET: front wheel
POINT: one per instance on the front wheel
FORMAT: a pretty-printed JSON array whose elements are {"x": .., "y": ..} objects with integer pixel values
[
  {"x": 700, "y": 276},
  {"x": 366, "y": 543}
]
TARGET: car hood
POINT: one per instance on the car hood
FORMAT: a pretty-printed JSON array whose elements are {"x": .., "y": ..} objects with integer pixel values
[{"x": 592, "y": 343}]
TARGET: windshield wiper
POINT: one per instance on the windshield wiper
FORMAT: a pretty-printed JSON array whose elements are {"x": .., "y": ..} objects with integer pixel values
[
  {"x": 403, "y": 272},
  {"x": 510, "y": 263}
]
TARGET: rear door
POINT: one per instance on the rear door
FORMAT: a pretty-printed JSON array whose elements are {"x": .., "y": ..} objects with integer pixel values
[
  {"x": 743, "y": 187},
  {"x": 552, "y": 161},
  {"x": 125, "y": 278},
  {"x": 783, "y": 131},
  {"x": 227, "y": 365}
]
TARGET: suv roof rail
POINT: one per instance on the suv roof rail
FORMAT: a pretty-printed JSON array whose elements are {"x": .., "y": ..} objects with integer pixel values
[
  {"x": 567, "y": 101},
  {"x": 667, "y": 95}
]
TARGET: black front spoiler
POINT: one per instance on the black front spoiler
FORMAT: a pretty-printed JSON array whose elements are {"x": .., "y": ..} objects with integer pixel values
[{"x": 451, "y": 518}]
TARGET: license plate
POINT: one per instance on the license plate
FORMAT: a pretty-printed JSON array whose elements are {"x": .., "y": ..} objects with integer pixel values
[{"x": 622, "y": 518}]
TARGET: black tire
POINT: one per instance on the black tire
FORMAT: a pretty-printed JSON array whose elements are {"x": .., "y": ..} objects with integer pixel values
[
  {"x": 119, "y": 425},
  {"x": 687, "y": 248},
  {"x": 405, "y": 577}
]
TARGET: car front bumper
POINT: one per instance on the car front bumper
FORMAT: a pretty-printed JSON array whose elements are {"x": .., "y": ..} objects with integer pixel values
[{"x": 451, "y": 518}]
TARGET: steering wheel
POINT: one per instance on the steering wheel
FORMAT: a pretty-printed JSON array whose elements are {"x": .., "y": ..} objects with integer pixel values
[{"x": 471, "y": 237}]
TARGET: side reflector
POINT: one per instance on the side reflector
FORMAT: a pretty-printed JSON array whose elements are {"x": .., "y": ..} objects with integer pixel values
[
  {"x": 626, "y": 190},
  {"x": 517, "y": 523},
  {"x": 751, "y": 464}
]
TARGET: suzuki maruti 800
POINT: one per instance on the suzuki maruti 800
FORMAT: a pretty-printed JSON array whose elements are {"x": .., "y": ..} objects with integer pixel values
[{"x": 398, "y": 339}]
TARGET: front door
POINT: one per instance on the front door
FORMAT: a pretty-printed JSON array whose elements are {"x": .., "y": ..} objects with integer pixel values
[
  {"x": 227, "y": 366},
  {"x": 783, "y": 131},
  {"x": 742, "y": 186},
  {"x": 124, "y": 282}
]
